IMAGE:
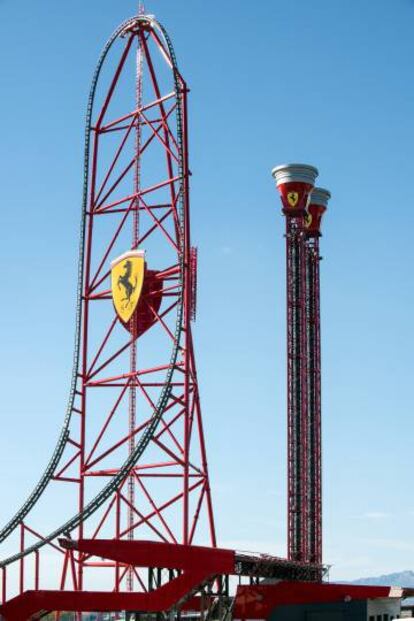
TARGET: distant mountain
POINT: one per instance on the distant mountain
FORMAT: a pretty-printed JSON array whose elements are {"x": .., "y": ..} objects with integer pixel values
[{"x": 402, "y": 579}]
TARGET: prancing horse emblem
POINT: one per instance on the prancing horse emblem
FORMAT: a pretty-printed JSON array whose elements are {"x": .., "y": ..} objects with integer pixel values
[
  {"x": 127, "y": 276},
  {"x": 125, "y": 281},
  {"x": 308, "y": 219},
  {"x": 293, "y": 198}
]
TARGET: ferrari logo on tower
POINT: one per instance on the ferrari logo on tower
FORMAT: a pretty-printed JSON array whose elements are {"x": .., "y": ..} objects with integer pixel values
[
  {"x": 308, "y": 219},
  {"x": 293, "y": 198},
  {"x": 127, "y": 276}
]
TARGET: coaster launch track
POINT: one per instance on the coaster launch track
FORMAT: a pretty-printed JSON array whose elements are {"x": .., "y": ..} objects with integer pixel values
[{"x": 135, "y": 196}]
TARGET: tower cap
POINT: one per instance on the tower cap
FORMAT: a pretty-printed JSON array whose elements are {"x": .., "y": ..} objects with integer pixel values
[
  {"x": 295, "y": 182},
  {"x": 295, "y": 173},
  {"x": 320, "y": 196},
  {"x": 317, "y": 206}
]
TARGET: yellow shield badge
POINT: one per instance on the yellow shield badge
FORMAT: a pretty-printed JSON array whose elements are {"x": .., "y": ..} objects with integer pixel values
[
  {"x": 308, "y": 219},
  {"x": 293, "y": 198},
  {"x": 127, "y": 277}
]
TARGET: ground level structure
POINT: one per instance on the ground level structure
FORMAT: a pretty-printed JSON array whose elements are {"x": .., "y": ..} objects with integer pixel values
[
  {"x": 198, "y": 586},
  {"x": 300, "y": 601}
]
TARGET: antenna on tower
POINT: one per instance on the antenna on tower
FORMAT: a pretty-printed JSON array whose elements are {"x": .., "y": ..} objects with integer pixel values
[{"x": 141, "y": 7}]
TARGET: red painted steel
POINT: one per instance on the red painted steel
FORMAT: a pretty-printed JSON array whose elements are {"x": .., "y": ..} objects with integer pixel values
[
  {"x": 258, "y": 601},
  {"x": 316, "y": 210},
  {"x": 302, "y": 190},
  {"x": 157, "y": 554},
  {"x": 313, "y": 220},
  {"x": 295, "y": 183},
  {"x": 251, "y": 602},
  {"x": 138, "y": 198},
  {"x": 304, "y": 362},
  {"x": 296, "y": 387},
  {"x": 30, "y": 603},
  {"x": 314, "y": 497},
  {"x": 191, "y": 570}
]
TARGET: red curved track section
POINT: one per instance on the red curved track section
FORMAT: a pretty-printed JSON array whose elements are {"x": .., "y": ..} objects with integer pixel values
[{"x": 131, "y": 460}]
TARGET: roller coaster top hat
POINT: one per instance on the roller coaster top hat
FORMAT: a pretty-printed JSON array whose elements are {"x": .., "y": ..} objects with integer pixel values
[
  {"x": 295, "y": 182},
  {"x": 317, "y": 206}
]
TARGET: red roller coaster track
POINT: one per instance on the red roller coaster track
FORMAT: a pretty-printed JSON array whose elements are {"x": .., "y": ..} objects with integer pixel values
[{"x": 131, "y": 459}]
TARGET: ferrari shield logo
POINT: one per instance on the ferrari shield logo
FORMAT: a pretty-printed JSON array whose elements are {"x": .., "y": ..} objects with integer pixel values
[
  {"x": 293, "y": 198},
  {"x": 127, "y": 278},
  {"x": 308, "y": 219}
]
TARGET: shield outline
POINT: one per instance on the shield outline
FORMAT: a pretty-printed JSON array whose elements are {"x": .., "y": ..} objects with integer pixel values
[
  {"x": 125, "y": 312},
  {"x": 293, "y": 198},
  {"x": 308, "y": 219}
]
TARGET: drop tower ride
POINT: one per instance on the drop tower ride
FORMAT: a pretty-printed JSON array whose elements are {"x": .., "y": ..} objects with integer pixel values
[{"x": 303, "y": 208}]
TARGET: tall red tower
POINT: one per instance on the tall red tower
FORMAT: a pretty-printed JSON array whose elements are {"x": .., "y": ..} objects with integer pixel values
[
  {"x": 317, "y": 207},
  {"x": 130, "y": 461},
  {"x": 303, "y": 207},
  {"x": 295, "y": 183}
]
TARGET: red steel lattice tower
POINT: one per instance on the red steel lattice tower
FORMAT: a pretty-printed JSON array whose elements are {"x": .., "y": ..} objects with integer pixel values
[
  {"x": 131, "y": 458},
  {"x": 295, "y": 182},
  {"x": 317, "y": 207}
]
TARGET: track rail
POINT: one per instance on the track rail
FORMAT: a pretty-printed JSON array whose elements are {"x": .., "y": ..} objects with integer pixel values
[{"x": 149, "y": 432}]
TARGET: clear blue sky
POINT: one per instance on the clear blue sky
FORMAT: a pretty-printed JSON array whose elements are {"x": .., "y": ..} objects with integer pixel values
[{"x": 327, "y": 82}]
